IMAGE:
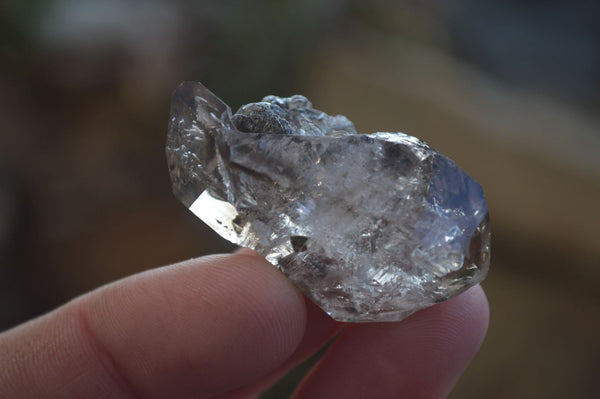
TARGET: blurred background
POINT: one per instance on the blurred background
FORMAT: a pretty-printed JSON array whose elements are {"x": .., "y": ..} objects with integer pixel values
[{"x": 509, "y": 89}]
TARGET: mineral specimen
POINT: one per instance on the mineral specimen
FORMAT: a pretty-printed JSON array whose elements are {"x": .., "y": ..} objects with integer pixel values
[{"x": 371, "y": 227}]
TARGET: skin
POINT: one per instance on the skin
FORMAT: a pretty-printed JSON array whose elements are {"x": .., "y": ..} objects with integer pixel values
[{"x": 228, "y": 326}]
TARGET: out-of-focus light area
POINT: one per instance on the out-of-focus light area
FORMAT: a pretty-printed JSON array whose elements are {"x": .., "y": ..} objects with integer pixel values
[{"x": 508, "y": 89}]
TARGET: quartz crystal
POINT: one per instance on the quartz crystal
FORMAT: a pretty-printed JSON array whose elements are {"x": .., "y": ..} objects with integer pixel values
[{"x": 371, "y": 227}]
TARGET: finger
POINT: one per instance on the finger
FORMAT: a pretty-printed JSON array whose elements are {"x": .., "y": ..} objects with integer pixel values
[
  {"x": 320, "y": 328},
  {"x": 190, "y": 330},
  {"x": 420, "y": 357}
]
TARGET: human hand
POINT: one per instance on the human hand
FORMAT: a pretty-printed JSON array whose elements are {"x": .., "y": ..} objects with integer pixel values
[{"x": 228, "y": 326}]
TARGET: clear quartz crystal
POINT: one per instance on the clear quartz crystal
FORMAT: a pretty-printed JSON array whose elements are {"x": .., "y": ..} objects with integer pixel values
[{"x": 371, "y": 227}]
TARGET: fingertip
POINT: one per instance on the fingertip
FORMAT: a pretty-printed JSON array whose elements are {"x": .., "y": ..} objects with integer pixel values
[
  {"x": 237, "y": 318},
  {"x": 247, "y": 252},
  {"x": 476, "y": 314},
  {"x": 422, "y": 356}
]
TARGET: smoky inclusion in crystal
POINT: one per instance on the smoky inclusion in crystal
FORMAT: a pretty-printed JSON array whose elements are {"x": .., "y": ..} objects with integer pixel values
[{"x": 371, "y": 227}]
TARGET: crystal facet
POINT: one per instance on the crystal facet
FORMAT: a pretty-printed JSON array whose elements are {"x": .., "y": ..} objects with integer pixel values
[{"x": 371, "y": 227}]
